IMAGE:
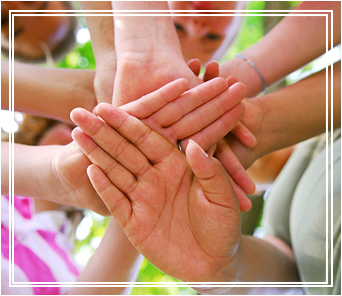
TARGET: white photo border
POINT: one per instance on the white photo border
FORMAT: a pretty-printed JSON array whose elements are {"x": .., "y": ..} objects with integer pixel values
[{"x": 12, "y": 14}]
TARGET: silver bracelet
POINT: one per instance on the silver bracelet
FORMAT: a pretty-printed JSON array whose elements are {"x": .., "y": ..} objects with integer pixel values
[{"x": 239, "y": 55}]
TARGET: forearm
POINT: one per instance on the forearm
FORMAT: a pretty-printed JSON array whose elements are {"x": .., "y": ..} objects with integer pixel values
[
  {"x": 29, "y": 164},
  {"x": 258, "y": 261},
  {"x": 276, "y": 56},
  {"x": 115, "y": 260},
  {"x": 298, "y": 112},
  {"x": 101, "y": 28},
  {"x": 48, "y": 92},
  {"x": 144, "y": 34}
]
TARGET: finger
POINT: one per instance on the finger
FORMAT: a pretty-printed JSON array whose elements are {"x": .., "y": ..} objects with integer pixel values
[
  {"x": 115, "y": 172},
  {"x": 211, "y": 71},
  {"x": 150, "y": 103},
  {"x": 206, "y": 114},
  {"x": 152, "y": 146},
  {"x": 189, "y": 101},
  {"x": 234, "y": 167},
  {"x": 116, "y": 202},
  {"x": 212, "y": 177},
  {"x": 243, "y": 134},
  {"x": 231, "y": 80},
  {"x": 195, "y": 66},
  {"x": 110, "y": 140},
  {"x": 244, "y": 202},
  {"x": 218, "y": 129}
]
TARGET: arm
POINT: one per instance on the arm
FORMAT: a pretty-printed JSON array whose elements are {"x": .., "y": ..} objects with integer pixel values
[
  {"x": 115, "y": 260},
  {"x": 180, "y": 213},
  {"x": 276, "y": 56},
  {"x": 54, "y": 173},
  {"x": 145, "y": 46},
  {"x": 287, "y": 117},
  {"x": 48, "y": 92},
  {"x": 101, "y": 30}
]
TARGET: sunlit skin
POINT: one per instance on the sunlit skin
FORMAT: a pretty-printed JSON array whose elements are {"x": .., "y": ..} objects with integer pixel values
[
  {"x": 200, "y": 36},
  {"x": 30, "y": 32}
]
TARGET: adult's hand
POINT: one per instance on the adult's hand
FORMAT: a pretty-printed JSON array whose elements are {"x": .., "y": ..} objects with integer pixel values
[{"x": 150, "y": 189}]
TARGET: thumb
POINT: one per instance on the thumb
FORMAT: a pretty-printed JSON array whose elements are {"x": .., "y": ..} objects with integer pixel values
[{"x": 211, "y": 176}]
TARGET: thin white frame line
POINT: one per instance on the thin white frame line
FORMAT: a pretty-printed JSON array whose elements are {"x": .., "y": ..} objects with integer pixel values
[
  {"x": 86, "y": 14},
  {"x": 12, "y": 62},
  {"x": 167, "y": 284},
  {"x": 143, "y": 12},
  {"x": 332, "y": 156},
  {"x": 327, "y": 154}
]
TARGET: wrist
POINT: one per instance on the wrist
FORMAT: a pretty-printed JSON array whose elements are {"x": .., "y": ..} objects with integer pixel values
[
  {"x": 245, "y": 73},
  {"x": 83, "y": 94},
  {"x": 153, "y": 34}
]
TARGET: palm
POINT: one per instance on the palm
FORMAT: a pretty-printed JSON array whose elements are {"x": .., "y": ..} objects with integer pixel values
[
  {"x": 150, "y": 189},
  {"x": 182, "y": 227}
]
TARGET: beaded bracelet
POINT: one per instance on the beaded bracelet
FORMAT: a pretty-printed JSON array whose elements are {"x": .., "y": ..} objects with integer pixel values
[{"x": 239, "y": 55}]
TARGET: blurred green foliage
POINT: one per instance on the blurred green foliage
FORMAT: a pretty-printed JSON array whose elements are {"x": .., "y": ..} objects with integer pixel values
[{"x": 82, "y": 58}]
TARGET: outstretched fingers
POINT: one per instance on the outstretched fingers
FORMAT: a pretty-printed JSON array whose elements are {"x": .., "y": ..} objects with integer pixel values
[
  {"x": 151, "y": 103},
  {"x": 189, "y": 101},
  {"x": 118, "y": 147},
  {"x": 217, "y": 130},
  {"x": 116, "y": 202},
  {"x": 116, "y": 173},
  {"x": 213, "y": 117},
  {"x": 140, "y": 137}
]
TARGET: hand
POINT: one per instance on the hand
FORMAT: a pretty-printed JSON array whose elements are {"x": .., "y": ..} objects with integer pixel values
[
  {"x": 205, "y": 113},
  {"x": 138, "y": 75},
  {"x": 187, "y": 225},
  {"x": 175, "y": 117},
  {"x": 71, "y": 185},
  {"x": 211, "y": 71}
]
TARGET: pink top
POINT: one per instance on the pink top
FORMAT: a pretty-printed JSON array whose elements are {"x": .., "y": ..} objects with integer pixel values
[{"x": 42, "y": 250}]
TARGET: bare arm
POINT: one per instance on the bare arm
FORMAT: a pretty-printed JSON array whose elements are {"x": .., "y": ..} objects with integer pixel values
[
  {"x": 101, "y": 30},
  {"x": 115, "y": 260},
  {"x": 288, "y": 116},
  {"x": 55, "y": 173},
  {"x": 47, "y": 92},
  {"x": 294, "y": 42},
  {"x": 145, "y": 45}
]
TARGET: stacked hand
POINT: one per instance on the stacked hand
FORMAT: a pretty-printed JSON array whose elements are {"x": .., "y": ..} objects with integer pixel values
[
  {"x": 163, "y": 200},
  {"x": 174, "y": 113}
]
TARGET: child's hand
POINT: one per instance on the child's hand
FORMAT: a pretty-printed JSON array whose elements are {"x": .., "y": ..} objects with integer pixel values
[{"x": 187, "y": 225}]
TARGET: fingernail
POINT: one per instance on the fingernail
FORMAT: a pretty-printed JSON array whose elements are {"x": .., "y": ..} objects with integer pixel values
[{"x": 199, "y": 148}]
